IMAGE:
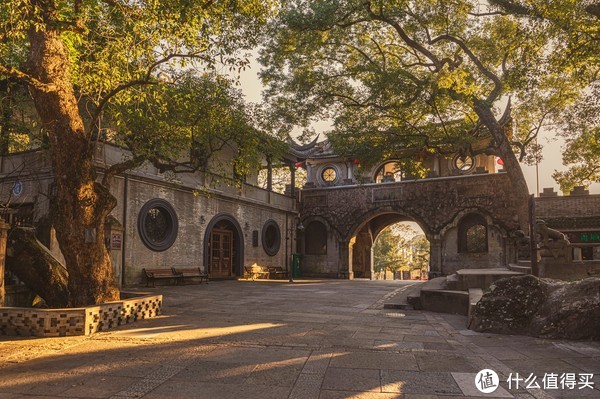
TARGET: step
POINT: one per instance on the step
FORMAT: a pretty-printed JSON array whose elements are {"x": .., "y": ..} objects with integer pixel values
[
  {"x": 453, "y": 282},
  {"x": 399, "y": 300},
  {"x": 445, "y": 301},
  {"x": 414, "y": 299},
  {"x": 475, "y": 295},
  {"x": 520, "y": 268},
  {"x": 523, "y": 262},
  {"x": 482, "y": 278}
]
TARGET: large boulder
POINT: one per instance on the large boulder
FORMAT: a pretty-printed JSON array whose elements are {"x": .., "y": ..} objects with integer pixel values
[{"x": 546, "y": 308}]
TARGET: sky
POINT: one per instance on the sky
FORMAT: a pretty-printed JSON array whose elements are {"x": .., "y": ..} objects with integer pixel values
[{"x": 552, "y": 153}]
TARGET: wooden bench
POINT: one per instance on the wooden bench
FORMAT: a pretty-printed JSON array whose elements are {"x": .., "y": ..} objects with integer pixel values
[
  {"x": 190, "y": 272},
  {"x": 277, "y": 271},
  {"x": 255, "y": 271},
  {"x": 159, "y": 274}
]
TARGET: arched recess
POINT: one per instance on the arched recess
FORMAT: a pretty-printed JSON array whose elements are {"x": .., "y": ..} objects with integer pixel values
[
  {"x": 315, "y": 243},
  {"x": 387, "y": 171},
  {"x": 456, "y": 256},
  {"x": 222, "y": 226},
  {"x": 315, "y": 238},
  {"x": 472, "y": 234},
  {"x": 364, "y": 233}
]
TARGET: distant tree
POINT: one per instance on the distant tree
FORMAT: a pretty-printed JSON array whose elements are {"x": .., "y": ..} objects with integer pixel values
[
  {"x": 386, "y": 253},
  {"x": 282, "y": 178},
  {"x": 399, "y": 248},
  {"x": 419, "y": 254},
  {"x": 583, "y": 156},
  {"x": 137, "y": 67}
]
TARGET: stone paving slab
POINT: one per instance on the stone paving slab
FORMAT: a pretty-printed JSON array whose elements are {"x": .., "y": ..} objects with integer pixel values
[
  {"x": 429, "y": 383},
  {"x": 311, "y": 339}
]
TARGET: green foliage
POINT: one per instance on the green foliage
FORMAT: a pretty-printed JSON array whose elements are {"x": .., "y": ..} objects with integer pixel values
[
  {"x": 583, "y": 156},
  {"x": 402, "y": 77},
  {"x": 399, "y": 247},
  {"x": 149, "y": 75}
]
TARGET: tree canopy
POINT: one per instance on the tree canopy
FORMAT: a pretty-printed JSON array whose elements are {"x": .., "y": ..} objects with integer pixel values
[
  {"x": 405, "y": 77},
  {"x": 143, "y": 74}
]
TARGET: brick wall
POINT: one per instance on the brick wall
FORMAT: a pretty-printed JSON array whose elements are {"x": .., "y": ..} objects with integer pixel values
[
  {"x": 77, "y": 321},
  {"x": 571, "y": 206}
]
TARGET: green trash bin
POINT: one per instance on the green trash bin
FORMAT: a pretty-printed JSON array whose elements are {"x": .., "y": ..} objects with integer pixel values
[{"x": 295, "y": 265}]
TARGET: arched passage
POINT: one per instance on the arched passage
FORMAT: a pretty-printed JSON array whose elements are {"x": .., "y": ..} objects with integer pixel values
[
  {"x": 361, "y": 244},
  {"x": 401, "y": 252},
  {"x": 224, "y": 247}
]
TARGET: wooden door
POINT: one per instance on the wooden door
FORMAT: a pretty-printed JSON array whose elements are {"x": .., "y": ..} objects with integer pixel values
[{"x": 221, "y": 244}]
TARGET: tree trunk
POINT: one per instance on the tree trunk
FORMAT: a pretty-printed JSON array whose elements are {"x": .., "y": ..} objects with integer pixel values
[
  {"x": 37, "y": 268},
  {"x": 511, "y": 164},
  {"x": 81, "y": 205}
]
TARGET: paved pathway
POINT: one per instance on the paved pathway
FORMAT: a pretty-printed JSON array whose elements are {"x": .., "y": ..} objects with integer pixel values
[{"x": 311, "y": 339}]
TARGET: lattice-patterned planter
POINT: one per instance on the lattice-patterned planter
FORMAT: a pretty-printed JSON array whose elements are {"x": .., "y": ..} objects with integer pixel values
[{"x": 78, "y": 321}]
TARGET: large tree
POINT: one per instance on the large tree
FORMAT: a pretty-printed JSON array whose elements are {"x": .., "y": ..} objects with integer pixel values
[
  {"x": 576, "y": 45},
  {"x": 131, "y": 65},
  {"x": 406, "y": 77}
]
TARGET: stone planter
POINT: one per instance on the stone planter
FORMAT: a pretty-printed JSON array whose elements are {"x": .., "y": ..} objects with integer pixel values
[{"x": 78, "y": 321}]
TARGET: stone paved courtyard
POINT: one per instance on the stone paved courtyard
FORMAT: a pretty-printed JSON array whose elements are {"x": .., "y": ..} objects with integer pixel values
[{"x": 311, "y": 339}]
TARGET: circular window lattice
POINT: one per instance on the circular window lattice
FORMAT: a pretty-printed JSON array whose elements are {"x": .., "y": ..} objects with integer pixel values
[
  {"x": 329, "y": 175},
  {"x": 157, "y": 224},
  {"x": 271, "y": 237},
  {"x": 463, "y": 164}
]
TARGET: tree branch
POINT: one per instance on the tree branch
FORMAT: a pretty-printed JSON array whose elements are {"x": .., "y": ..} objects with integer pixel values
[
  {"x": 486, "y": 72},
  {"x": 146, "y": 80},
  {"x": 409, "y": 41},
  {"x": 24, "y": 77}
]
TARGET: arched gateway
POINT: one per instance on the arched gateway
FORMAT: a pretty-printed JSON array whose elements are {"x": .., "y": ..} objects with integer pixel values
[{"x": 465, "y": 218}]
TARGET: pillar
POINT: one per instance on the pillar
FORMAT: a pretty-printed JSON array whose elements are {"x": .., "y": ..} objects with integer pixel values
[
  {"x": 309, "y": 176},
  {"x": 269, "y": 174},
  {"x": 345, "y": 260},
  {"x": 350, "y": 167},
  {"x": 293, "y": 180},
  {"x": 3, "y": 236},
  {"x": 435, "y": 257}
]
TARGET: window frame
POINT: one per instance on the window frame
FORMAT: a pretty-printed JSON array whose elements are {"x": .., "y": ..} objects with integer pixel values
[
  {"x": 467, "y": 223},
  {"x": 273, "y": 249},
  {"x": 172, "y": 228}
]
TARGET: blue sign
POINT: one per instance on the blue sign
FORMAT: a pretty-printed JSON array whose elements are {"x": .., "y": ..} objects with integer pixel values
[{"x": 17, "y": 188}]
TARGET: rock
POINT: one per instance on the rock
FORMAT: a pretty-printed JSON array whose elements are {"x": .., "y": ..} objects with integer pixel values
[{"x": 546, "y": 308}]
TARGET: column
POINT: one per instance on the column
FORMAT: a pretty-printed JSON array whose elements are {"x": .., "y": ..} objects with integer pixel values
[
  {"x": 269, "y": 174},
  {"x": 293, "y": 180},
  {"x": 435, "y": 257}
]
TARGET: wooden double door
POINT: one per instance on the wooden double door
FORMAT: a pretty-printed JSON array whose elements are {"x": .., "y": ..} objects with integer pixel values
[{"x": 221, "y": 252}]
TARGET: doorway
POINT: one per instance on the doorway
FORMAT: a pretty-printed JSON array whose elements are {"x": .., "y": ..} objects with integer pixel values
[
  {"x": 223, "y": 247},
  {"x": 221, "y": 256}
]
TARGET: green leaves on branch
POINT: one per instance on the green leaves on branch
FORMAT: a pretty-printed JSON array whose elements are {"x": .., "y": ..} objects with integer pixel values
[{"x": 398, "y": 75}]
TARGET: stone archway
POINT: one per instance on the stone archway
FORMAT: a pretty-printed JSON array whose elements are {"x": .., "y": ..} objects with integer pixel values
[
  {"x": 433, "y": 203},
  {"x": 223, "y": 245},
  {"x": 361, "y": 243}
]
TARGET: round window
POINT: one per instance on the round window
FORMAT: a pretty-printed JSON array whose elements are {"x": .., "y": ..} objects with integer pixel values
[
  {"x": 463, "y": 164},
  {"x": 271, "y": 237},
  {"x": 157, "y": 224},
  {"x": 328, "y": 174}
]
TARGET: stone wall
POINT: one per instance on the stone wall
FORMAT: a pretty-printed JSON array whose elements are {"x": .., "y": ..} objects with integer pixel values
[
  {"x": 568, "y": 206},
  {"x": 436, "y": 204},
  {"x": 77, "y": 321},
  {"x": 194, "y": 213},
  {"x": 195, "y": 201},
  {"x": 454, "y": 260}
]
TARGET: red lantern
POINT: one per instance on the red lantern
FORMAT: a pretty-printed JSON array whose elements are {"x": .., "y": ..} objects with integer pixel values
[
  {"x": 356, "y": 162},
  {"x": 299, "y": 164}
]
